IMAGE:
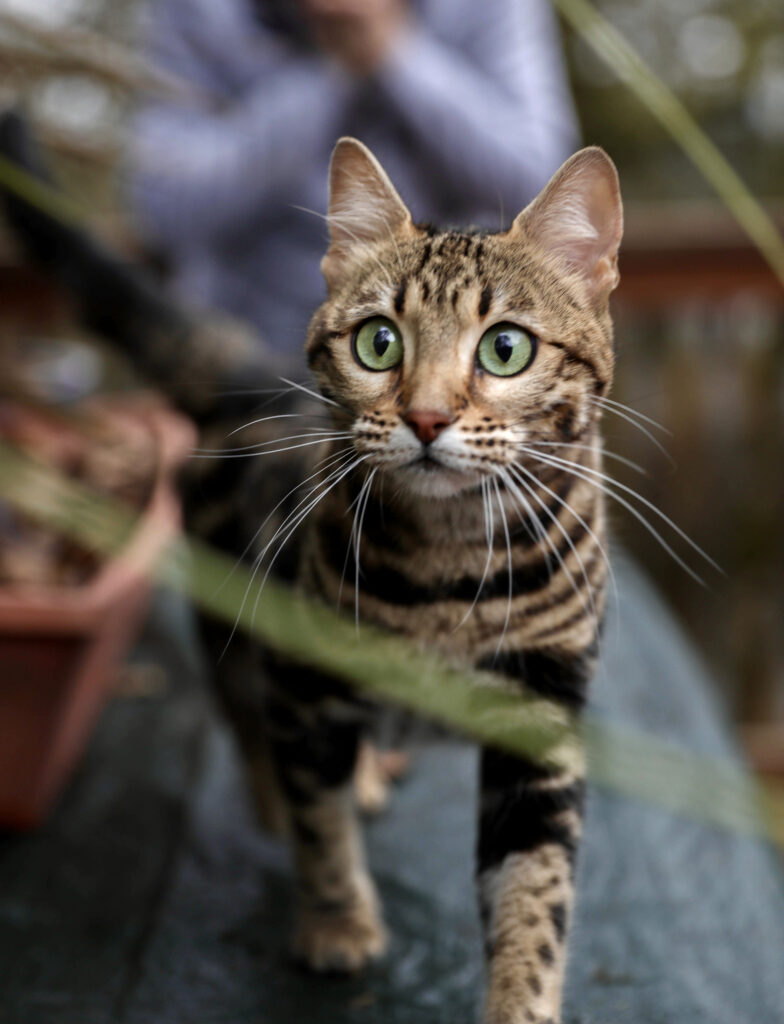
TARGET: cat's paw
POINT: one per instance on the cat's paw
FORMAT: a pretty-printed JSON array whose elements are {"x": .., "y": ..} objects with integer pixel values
[
  {"x": 516, "y": 1014},
  {"x": 371, "y": 784},
  {"x": 374, "y": 772},
  {"x": 340, "y": 942}
]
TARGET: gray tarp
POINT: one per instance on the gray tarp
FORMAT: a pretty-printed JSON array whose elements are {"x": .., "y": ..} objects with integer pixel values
[{"x": 151, "y": 899}]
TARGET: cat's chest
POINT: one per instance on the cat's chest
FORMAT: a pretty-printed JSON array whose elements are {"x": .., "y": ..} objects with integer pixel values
[{"x": 452, "y": 584}]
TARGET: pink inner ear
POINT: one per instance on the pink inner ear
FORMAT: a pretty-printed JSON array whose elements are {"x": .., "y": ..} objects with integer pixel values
[
  {"x": 363, "y": 203},
  {"x": 579, "y": 218}
]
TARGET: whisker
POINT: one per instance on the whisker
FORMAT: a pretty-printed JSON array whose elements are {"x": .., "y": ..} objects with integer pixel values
[
  {"x": 260, "y": 556},
  {"x": 239, "y": 454},
  {"x": 509, "y": 565},
  {"x": 355, "y": 506},
  {"x": 489, "y": 535},
  {"x": 320, "y": 467},
  {"x": 633, "y": 412},
  {"x": 581, "y": 522},
  {"x": 589, "y": 448},
  {"x": 357, "y": 539},
  {"x": 530, "y": 521},
  {"x": 265, "y": 419},
  {"x": 343, "y": 473},
  {"x": 654, "y": 440},
  {"x": 648, "y": 504},
  {"x": 321, "y": 432},
  {"x": 313, "y": 394},
  {"x": 602, "y": 481},
  {"x": 590, "y": 608}
]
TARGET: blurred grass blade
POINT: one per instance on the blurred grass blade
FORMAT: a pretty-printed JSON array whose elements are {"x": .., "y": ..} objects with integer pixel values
[
  {"x": 468, "y": 701},
  {"x": 706, "y": 789},
  {"x": 40, "y": 195},
  {"x": 628, "y": 65}
]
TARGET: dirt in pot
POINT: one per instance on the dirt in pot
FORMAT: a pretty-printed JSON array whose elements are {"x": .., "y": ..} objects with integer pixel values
[{"x": 106, "y": 445}]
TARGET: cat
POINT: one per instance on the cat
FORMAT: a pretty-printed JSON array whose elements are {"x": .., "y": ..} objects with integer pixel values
[{"x": 461, "y": 374}]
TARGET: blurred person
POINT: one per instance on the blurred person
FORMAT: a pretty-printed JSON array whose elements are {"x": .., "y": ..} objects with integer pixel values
[{"x": 466, "y": 104}]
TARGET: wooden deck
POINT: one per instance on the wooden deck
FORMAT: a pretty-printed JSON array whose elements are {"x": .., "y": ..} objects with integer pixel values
[{"x": 150, "y": 898}]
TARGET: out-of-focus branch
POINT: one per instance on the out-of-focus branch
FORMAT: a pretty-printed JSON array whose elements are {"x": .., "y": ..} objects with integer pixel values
[
  {"x": 102, "y": 151},
  {"x": 40, "y": 194},
  {"x": 80, "y": 51}
]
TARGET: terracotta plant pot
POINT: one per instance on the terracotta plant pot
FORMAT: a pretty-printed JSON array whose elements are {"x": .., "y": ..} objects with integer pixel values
[{"x": 60, "y": 645}]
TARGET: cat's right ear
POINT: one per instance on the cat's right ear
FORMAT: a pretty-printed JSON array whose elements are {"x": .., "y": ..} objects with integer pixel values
[{"x": 364, "y": 208}]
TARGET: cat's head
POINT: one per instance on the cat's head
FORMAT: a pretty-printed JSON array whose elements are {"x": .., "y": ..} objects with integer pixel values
[{"x": 448, "y": 351}]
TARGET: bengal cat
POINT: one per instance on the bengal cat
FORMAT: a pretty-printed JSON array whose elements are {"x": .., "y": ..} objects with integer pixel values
[{"x": 451, "y": 495}]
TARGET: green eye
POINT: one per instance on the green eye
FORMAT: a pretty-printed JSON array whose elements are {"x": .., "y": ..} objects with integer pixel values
[
  {"x": 378, "y": 344},
  {"x": 505, "y": 350}
]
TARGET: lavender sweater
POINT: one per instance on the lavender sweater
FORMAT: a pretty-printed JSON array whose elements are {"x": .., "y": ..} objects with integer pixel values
[{"x": 470, "y": 115}]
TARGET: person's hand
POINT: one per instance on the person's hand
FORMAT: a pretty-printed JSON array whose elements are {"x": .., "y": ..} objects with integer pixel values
[{"x": 357, "y": 33}]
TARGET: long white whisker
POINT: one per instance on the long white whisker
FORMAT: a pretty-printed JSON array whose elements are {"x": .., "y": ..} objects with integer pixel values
[
  {"x": 589, "y": 448},
  {"x": 259, "y": 558},
  {"x": 579, "y": 519},
  {"x": 308, "y": 391},
  {"x": 274, "y": 451},
  {"x": 505, "y": 525},
  {"x": 358, "y": 539},
  {"x": 553, "y": 494},
  {"x": 531, "y": 522},
  {"x": 307, "y": 432},
  {"x": 601, "y": 481},
  {"x": 648, "y": 504},
  {"x": 318, "y": 432},
  {"x": 322, "y": 465},
  {"x": 487, "y": 511},
  {"x": 590, "y": 608},
  {"x": 633, "y": 412},
  {"x": 303, "y": 515},
  {"x": 265, "y": 419},
  {"x": 605, "y": 557},
  {"x": 654, "y": 440},
  {"x": 355, "y": 506},
  {"x": 346, "y": 557}
]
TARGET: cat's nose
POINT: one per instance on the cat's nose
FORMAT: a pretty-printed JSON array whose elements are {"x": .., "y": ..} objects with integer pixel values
[{"x": 427, "y": 424}]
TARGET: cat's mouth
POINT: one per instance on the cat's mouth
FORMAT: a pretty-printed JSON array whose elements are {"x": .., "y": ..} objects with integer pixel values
[
  {"x": 427, "y": 463},
  {"x": 429, "y": 477}
]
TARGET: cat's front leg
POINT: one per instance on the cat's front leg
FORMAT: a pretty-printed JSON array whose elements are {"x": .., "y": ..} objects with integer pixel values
[
  {"x": 316, "y": 733},
  {"x": 528, "y": 833}
]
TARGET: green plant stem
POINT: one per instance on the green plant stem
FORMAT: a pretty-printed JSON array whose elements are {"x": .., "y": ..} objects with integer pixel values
[
  {"x": 39, "y": 194},
  {"x": 391, "y": 669},
  {"x": 631, "y": 69}
]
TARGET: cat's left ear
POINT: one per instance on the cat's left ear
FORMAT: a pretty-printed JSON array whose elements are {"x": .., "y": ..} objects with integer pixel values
[
  {"x": 578, "y": 218},
  {"x": 364, "y": 207}
]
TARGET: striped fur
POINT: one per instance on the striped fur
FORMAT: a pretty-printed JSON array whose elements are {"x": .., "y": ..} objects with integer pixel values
[{"x": 491, "y": 551}]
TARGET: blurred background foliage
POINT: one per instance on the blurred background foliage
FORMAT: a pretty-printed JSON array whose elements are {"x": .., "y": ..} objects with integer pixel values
[{"x": 699, "y": 316}]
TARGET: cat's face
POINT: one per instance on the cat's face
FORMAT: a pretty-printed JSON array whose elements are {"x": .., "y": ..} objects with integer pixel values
[{"x": 449, "y": 353}]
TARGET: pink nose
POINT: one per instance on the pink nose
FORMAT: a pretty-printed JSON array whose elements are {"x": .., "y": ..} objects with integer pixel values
[{"x": 427, "y": 424}]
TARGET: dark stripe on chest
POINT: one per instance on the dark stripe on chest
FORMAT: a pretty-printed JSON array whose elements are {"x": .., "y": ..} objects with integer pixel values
[
  {"x": 394, "y": 587},
  {"x": 380, "y": 525}
]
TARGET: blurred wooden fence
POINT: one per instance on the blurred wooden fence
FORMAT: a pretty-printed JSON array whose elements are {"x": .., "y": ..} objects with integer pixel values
[{"x": 700, "y": 322}]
